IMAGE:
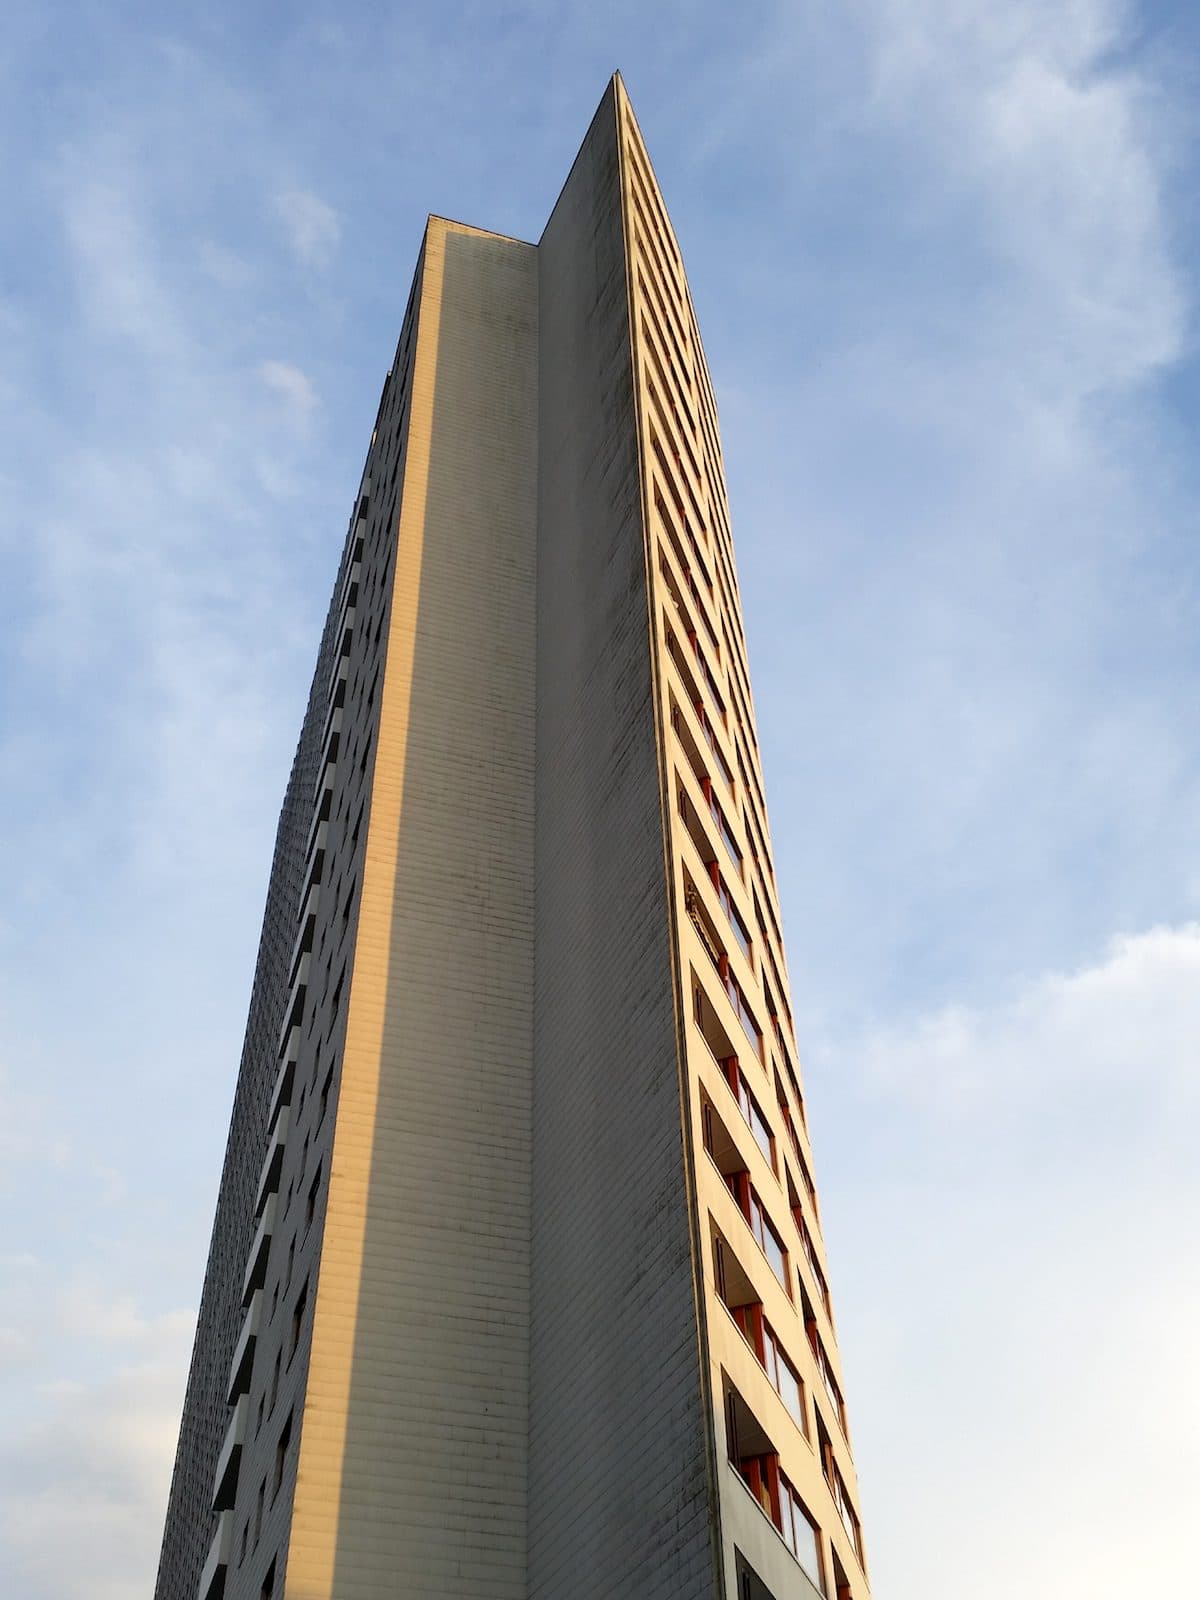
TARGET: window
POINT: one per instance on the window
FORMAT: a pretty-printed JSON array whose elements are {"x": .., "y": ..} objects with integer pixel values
[
  {"x": 793, "y": 1137},
  {"x": 732, "y": 848},
  {"x": 785, "y": 1380},
  {"x": 800, "y": 1533},
  {"x": 810, "y": 1251},
  {"x": 749, "y": 1320},
  {"x": 268, "y": 1585},
  {"x": 841, "y": 1582},
  {"x": 710, "y": 683},
  {"x": 806, "y": 1178},
  {"x": 298, "y": 1318},
  {"x": 822, "y": 1361},
  {"x": 718, "y": 757},
  {"x": 757, "y": 1473},
  {"x": 846, "y": 1511},
  {"x": 275, "y": 1378},
  {"x": 755, "y": 1214},
  {"x": 772, "y": 1245},
  {"x": 837, "y": 1487},
  {"x": 740, "y": 932},
  {"x": 281, "y": 1450},
  {"x": 325, "y": 1088},
  {"x": 748, "y": 1106},
  {"x": 745, "y": 1016},
  {"x": 762, "y": 1339},
  {"x": 310, "y": 1205}
]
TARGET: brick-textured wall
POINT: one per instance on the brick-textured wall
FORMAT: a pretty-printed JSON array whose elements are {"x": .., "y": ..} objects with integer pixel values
[
  {"x": 412, "y": 1466},
  {"x": 620, "y": 1497}
]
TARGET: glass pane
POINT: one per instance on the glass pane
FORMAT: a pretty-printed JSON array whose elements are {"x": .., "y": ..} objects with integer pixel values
[
  {"x": 743, "y": 1097},
  {"x": 725, "y": 772},
  {"x": 762, "y": 1134},
  {"x": 757, "y": 1221},
  {"x": 789, "y": 1392},
  {"x": 807, "y": 1551},
  {"x": 769, "y": 1357},
  {"x": 775, "y": 1253},
  {"x": 785, "y": 1516},
  {"x": 730, "y": 842}
]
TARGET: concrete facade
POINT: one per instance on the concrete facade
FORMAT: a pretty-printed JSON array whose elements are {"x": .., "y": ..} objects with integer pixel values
[{"x": 517, "y": 1285}]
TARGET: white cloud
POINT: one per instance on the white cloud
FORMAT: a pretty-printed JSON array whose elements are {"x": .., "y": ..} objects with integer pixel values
[
  {"x": 83, "y": 1481},
  {"x": 312, "y": 226},
  {"x": 293, "y": 387},
  {"x": 1131, "y": 1022},
  {"x": 963, "y": 529},
  {"x": 1025, "y": 109},
  {"x": 1020, "y": 1322}
]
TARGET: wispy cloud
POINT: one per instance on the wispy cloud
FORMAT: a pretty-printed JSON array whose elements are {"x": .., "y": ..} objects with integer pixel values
[
  {"x": 312, "y": 226},
  {"x": 292, "y": 386},
  {"x": 1017, "y": 1336},
  {"x": 1127, "y": 1026},
  {"x": 94, "y": 1455},
  {"x": 960, "y": 526},
  {"x": 1053, "y": 145}
]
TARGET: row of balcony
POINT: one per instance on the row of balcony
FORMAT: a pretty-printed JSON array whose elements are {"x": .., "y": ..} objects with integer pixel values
[{"x": 266, "y": 1200}]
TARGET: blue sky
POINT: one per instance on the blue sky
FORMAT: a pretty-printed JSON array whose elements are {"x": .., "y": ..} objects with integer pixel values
[{"x": 943, "y": 254}]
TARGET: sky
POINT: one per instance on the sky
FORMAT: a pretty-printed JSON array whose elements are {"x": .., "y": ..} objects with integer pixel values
[{"x": 944, "y": 257}]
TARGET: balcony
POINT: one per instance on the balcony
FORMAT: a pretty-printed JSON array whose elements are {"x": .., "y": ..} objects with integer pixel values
[
  {"x": 225, "y": 1478},
  {"x": 268, "y": 1181},
  {"x": 325, "y": 782},
  {"x": 316, "y": 857},
  {"x": 256, "y": 1262},
  {"x": 337, "y": 700},
  {"x": 307, "y": 926},
  {"x": 298, "y": 985},
  {"x": 316, "y": 839},
  {"x": 349, "y": 607},
  {"x": 285, "y": 1081},
  {"x": 331, "y": 739},
  {"x": 220, "y": 1553},
  {"x": 298, "y": 982},
  {"x": 353, "y": 571},
  {"x": 317, "y": 842},
  {"x": 753, "y": 1588},
  {"x": 243, "y": 1352},
  {"x": 289, "y": 1042},
  {"x": 754, "y": 1458},
  {"x": 339, "y": 678}
]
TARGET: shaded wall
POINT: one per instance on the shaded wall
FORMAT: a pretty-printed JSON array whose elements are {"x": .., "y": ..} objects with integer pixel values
[{"x": 619, "y": 1491}]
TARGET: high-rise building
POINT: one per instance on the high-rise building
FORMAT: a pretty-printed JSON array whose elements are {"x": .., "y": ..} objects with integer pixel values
[{"x": 517, "y": 1287}]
